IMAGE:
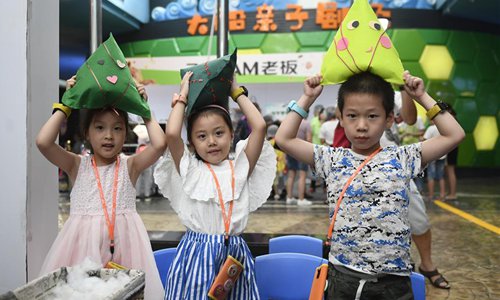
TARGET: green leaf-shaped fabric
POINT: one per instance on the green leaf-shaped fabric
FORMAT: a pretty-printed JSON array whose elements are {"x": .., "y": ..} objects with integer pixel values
[
  {"x": 105, "y": 80},
  {"x": 210, "y": 83},
  {"x": 361, "y": 44}
]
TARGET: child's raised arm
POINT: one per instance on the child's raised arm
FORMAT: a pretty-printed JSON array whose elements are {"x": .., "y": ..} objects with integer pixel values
[
  {"x": 408, "y": 109},
  {"x": 256, "y": 122},
  {"x": 158, "y": 142},
  {"x": 286, "y": 137},
  {"x": 46, "y": 139},
  {"x": 451, "y": 133},
  {"x": 174, "y": 122}
]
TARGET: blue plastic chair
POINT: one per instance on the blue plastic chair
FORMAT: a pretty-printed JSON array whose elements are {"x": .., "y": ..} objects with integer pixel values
[
  {"x": 296, "y": 244},
  {"x": 163, "y": 259},
  {"x": 418, "y": 285},
  {"x": 314, "y": 246},
  {"x": 286, "y": 276}
]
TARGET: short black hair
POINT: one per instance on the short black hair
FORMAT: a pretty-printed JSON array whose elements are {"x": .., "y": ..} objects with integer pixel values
[{"x": 367, "y": 83}]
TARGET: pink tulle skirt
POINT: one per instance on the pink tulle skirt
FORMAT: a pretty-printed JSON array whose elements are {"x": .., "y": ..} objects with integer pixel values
[{"x": 87, "y": 236}]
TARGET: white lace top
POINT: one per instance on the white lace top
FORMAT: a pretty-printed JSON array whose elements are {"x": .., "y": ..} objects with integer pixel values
[
  {"x": 193, "y": 193},
  {"x": 85, "y": 199}
]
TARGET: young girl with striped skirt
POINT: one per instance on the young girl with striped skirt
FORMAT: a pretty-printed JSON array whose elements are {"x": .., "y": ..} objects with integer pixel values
[{"x": 212, "y": 194}]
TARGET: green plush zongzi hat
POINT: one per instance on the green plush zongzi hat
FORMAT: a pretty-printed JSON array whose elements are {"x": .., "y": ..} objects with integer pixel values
[
  {"x": 361, "y": 44},
  {"x": 105, "y": 80},
  {"x": 210, "y": 83}
]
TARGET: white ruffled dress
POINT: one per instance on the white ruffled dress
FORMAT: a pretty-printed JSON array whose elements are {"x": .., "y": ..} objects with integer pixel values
[{"x": 193, "y": 195}]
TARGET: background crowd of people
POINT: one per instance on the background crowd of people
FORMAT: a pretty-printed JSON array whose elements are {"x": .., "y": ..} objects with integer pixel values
[{"x": 321, "y": 131}]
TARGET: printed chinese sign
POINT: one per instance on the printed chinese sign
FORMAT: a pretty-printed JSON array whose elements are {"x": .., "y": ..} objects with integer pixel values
[{"x": 326, "y": 16}]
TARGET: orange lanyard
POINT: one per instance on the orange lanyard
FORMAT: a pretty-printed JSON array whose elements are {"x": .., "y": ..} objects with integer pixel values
[
  {"x": 226, "y": 218},
  {"x": 332, "y": 223},
  {"x": 111, "y": 223}
]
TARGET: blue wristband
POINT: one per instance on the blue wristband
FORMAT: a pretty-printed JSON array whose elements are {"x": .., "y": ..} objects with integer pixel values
[{"x": 293, "y": 106}]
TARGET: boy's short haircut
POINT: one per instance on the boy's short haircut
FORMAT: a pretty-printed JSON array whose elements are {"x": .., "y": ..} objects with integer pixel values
[{"x": 367, "y": 83}]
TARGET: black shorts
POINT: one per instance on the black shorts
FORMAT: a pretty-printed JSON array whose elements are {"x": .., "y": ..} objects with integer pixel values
[
  {"x": 389, "y": 287},
  {"x": 451, "y": 158}
]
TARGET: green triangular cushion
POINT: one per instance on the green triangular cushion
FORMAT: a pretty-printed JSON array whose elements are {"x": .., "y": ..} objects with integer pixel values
[
  {"x": 105, "y": 80},
  {"x": 361, "y": 44},
  {"x": 211, "y": 82}
]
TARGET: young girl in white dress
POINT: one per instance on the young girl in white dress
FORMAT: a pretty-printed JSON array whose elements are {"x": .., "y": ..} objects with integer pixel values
[
  {"x": 212, "y": 194},
  {"x": 103, "y": 223}
]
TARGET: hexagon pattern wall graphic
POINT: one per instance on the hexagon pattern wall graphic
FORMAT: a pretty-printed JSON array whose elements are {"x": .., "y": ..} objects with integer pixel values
[
  {"x": 487, "y": 99},
  {"x": 273, "y": 43},
  {"x": 467, "y": 113},
  {"x": 434, "y": 37},
  {"x": 486, "y": 133},
  {"x": 436, "y": 62},
  {"x": 497, "y": 153},
  {"x": 467, "y": 152},
  {"x": 466, "y": 79},
  {"x": 409, "y": 44},
  {"x": 462, "y": 46},
  {"x": 442, "y": 90},
  {"x": 486, "y": 57},
  {"x": 459, "y": 67}
]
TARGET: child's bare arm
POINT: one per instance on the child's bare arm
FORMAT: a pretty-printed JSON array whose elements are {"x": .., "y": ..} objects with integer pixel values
[
  {"x": 451, "y": 133},
  {"x": 286, "y": 137},
  {"x": 408, "y": 109},
  {"x": 158, "y": 143},
  {"x": 174, "y": 122},
  {"x": 46, "y": 142},
  {"x": 256, "y": 122}
]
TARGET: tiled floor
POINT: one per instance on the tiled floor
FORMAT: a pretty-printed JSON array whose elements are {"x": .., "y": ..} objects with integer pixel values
[{"x": 465, "y": 253}]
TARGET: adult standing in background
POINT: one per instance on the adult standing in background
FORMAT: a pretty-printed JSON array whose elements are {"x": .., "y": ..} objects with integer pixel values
[
  {"x": 419, "y": 221},
  {"x": 410, "y": 134},
  {"x": 327, "y": 129},
  {"x": 451, "y": 162},
  {"x": 316, "y": 122},
  {"x": 145, "y": 182},
  {"x": 435, "y": 169},
  {"x": 294, "y": 166},
  {"x": 243, "y": 129}
]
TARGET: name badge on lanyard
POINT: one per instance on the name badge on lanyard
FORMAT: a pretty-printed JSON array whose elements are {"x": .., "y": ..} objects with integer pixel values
[{"x": 110, "y": 222}]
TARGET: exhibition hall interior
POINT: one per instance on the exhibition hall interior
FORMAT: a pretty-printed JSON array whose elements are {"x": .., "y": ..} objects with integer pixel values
[{"x": 452, "y": 47}]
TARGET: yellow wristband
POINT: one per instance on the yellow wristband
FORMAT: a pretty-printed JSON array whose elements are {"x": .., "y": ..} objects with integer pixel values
[
  {"x": 59, "y": 106},
  {"x": 238, "y": 92},
  {"x": 433, "y": 111}
]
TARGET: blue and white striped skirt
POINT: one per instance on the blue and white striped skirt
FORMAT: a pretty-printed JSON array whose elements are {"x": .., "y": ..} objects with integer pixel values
[{"x": 198, "y": 260}]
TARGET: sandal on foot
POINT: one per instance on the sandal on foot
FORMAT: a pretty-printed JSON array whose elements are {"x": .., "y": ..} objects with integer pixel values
[{"x": 437, "y": 283}]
